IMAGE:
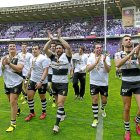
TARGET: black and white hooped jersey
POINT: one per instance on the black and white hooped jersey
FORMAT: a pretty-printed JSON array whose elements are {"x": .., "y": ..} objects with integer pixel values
[
  {"x": 130, "y": 70},
  {"x": 60, "y": 68},
  {"x": 12, "y": 78},
  {"x": 98, "y": 76}
]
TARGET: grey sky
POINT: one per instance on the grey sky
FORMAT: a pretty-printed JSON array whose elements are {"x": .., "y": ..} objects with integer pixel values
[{"x": 11, "y": 3}]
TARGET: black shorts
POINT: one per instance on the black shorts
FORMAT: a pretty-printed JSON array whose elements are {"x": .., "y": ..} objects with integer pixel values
[
  {"x": 24, "y": 77},
  {"x": 94, "y": 89},
  {"x": 60, "y": 88},
  {"x": 49, "y": 77},
  {"x": 118, "y": 71},
  {"x": 14, "y": 90},
  {"x": 129, "y": 88},
  {"x": 42, "y": 90}
]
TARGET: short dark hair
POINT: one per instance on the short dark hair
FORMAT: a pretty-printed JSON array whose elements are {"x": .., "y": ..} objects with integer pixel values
[
  {"x": 39, "y": 47},
  {"x": 82, "y": 47},
  {"x": 11, "y": 42},
  {"x": 23, "y": 43},
  {"x": 97, "y": 43},
  {"x": 53, "y": 43},
  {"x": 121, "y": 46},
  {"x": 126, "y": 36},
  {"x": 58, "y": 43}
]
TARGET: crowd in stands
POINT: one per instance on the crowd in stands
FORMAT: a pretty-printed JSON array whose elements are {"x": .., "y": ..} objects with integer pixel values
[
  {"x": 3, "y": 50},
  {"x": 71, "y": 28},
  {"x": 74, "y": 28},
  {"x": 112, "y": 46}
]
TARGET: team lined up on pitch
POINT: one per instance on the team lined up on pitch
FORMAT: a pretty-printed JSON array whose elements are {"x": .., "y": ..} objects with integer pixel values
[{"x": 27, "y": 73}]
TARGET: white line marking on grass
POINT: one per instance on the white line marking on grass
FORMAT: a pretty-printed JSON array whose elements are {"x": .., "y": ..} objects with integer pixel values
[{"x": 99, "y": 132}]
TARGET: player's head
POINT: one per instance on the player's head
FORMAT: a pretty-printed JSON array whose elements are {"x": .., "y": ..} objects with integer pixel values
[
  {"x": 12, "y": 47},
  {"x": 24, "y": 47},
  {"x": 98, "y": 48},
  {"x": 81, "y": 49},
  {"x": 59, "y": 49},
  {"x": 53, "y": 46},
  {"x": 126, "y": 42},
  {"x": 36, "y": 50}
]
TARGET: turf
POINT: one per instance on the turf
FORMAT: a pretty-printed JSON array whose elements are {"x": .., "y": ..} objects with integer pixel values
[{"x": 77, "y": 125}]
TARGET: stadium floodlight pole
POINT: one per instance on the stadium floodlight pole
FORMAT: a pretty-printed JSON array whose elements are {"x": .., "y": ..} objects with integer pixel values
[{"x": 105, "y": 23}]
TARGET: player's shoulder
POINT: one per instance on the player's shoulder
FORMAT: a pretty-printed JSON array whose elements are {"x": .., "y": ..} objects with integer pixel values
[{"x": 92, "y": 55}]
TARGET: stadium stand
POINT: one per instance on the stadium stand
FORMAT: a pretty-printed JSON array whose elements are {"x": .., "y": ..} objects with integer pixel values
[
  {"x": 71, "y": 28},
  {"x": 81, "y": 22}
]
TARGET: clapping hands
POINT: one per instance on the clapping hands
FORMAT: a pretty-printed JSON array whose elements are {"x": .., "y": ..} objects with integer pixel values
[{"x": 50, "y": 36}]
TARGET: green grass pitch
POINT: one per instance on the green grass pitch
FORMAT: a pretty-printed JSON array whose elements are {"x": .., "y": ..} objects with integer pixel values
[{"x": 77, "y": 125}]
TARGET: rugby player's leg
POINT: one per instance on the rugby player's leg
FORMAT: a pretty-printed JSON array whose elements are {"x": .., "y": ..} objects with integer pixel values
[
  {"x": 30, "y": 95},
  {"x": 60, "y": 111},
  {"x": 24, "y": 91},
  {"x": 137, "y": 118},
  {"x": 49, "y": 89},
  {"x": 95, "y": 109},
  {"x": 126, "y": 116},
  {"x": 13, "y": 98},
  {"x": 75, "y": 85},
  {"x": 44, "y": 105},
  {"x": 103, "y": 105},
  {"x": 82, "y": 79}
]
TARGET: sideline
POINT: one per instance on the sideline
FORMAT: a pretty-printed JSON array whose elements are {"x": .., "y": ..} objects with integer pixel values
[{"x": 99, "y": 132}]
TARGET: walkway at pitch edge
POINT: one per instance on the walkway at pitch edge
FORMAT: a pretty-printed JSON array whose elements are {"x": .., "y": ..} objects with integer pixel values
[{"x": 99, "y": 131}]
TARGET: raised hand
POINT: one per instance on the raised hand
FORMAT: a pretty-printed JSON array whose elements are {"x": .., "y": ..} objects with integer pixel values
[
  {"x": 5, "y": 61},
  {"x": 50, "y": 36},
  {"x": 104, "y": 57},
  {"x": 59, "y": 33},
  {"x": 138, "y": 50},
  {"x": 98, "y": 59},
  {"x": 135, "y": 50}
]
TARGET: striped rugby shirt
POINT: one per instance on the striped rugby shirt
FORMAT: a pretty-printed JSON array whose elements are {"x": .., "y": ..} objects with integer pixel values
[
  {"x": 60, "y": 68},
  {"x": 130, "y": 70}
]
